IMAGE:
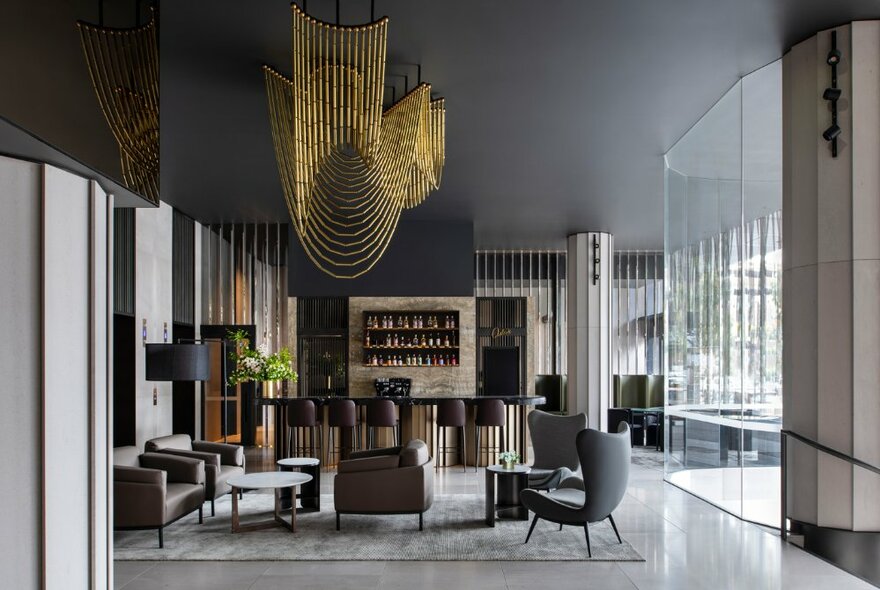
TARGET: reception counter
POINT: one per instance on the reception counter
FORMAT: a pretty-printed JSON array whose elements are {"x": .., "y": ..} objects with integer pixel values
[{"x": 417, "y": 416}]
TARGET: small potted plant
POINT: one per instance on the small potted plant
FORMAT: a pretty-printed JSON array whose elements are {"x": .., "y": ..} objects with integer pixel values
[{"x": 508, "y": 459}]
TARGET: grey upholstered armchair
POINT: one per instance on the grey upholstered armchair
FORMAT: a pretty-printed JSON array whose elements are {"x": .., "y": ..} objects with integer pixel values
[
  {"x": 553, "y": 441},
  {"x": 604, "y": 460},
  {"x": 152, "y": 490},
  {"x": 396, "y": 480},
  {"x": 222, "y": 461}
]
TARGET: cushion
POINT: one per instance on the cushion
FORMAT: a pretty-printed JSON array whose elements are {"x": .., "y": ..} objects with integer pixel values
[
  {"x": 568, "y": 497},
  {"x": 173, "y": 441},
  {"x": 414, "y": 453},
  {"x": 126, "y": 457}
]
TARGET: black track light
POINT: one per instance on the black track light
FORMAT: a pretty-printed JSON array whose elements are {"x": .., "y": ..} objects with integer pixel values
[
  {"x": 833, "y": 57},
  {"x": 831, "y": 133},
  {"x": 831, "y": 94}
]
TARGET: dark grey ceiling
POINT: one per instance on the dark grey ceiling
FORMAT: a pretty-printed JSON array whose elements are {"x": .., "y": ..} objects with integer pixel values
[{"x": 558, "y": 113}]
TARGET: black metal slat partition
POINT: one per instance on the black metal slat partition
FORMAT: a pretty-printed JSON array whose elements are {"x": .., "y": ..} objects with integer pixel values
[
  {"x": 123, "y": 261},
  {"x": 322, "y": 345},
  {"x": 183, "y": 270},
  {"x": 501, "y": 323}
]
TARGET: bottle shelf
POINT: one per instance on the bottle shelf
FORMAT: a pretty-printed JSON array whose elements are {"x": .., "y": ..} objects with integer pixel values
[
  {"x": 410, "y": 348},
  {"x": 410, "y": 329},
  {"x": 411, "y": 366}
]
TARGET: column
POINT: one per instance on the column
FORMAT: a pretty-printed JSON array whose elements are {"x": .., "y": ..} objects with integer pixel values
[
  {"x": 831, "y": 278},
  {"x": 590, "y": 257}
]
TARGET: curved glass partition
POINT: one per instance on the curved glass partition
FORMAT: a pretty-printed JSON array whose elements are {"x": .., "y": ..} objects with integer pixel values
[{"x": 723, "y": 284}]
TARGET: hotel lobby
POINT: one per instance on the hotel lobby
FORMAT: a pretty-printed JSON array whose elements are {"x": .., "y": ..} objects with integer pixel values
[{"x": 423, "y": 294}]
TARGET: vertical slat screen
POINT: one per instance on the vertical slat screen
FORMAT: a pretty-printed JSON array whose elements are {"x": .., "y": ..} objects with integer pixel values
[
  {"x": 536, "y": 274},
  {"x": 244, "y": 278},
  {"x": 637, "y": 312},
  {"x": 123, "y": 261}
]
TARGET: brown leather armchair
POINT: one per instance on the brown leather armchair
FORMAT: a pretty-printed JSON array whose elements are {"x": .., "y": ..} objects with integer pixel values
[
  {"x": 222, "y": 461},
  {"x": 397, "y": 480},
  {"x": 152, "y": 490}
]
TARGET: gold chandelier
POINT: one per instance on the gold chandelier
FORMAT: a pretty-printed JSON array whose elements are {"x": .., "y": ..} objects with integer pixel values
[
  {"x": 124, "y": 67},
  {"x": 348, "y": 169}
]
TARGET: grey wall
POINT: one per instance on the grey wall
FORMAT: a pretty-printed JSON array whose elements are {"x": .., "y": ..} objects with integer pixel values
[{"x": 424, "y": 258}]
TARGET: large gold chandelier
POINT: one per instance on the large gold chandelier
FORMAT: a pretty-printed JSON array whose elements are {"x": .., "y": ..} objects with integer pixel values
[
  {"x": 124, "y": 67},
  {"x": 349, "y": 169}
]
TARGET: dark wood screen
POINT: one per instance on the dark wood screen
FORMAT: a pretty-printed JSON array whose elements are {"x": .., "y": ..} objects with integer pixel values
[
  {"x": 322, "y": 345},
  {"x": 501, "y": 323},
  {"x": 183, "y": 279},
  {"x": 123, "y": 261}
]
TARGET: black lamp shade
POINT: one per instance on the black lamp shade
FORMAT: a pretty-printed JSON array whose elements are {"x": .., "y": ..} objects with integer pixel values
[{"x": 178, "y": 362}]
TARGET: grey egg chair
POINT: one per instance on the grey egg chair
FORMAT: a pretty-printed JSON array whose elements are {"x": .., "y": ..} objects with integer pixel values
[
  {"x": 605, "y": 460},
  {"x": 553, "y": 442}
]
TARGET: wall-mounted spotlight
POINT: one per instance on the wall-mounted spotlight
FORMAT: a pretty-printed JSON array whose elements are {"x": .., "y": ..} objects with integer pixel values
[
  {"x": 831, "y": 133},
  {"x": 834, "y": 55},
  {"x": 596, "y": 260},
  {"x": 832, "y": 94}
]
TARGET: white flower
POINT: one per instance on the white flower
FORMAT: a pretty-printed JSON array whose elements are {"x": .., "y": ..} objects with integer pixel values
[{"x": 263, "y": 349}]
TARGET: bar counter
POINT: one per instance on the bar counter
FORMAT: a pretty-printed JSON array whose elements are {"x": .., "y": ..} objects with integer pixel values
[{"x": 416, "y": 415}]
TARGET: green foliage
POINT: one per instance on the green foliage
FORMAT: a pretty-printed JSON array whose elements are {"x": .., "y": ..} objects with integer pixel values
[{"x": 257, "y": 364}]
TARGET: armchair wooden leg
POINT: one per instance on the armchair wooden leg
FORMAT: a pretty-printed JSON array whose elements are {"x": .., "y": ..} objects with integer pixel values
[
  {"x": 587, "y": 534},
  {"x": 421, "y": 521},
  {"x": 477, "y": 449},
  {"x": 161, "y": 540},
  {"x": 337, "y": 521},
  {"x": 614, "y": 526},
  {"x": 531, "y": 528},
  {"x": 560, "y": 526},
  {"x": 201, "y": 517},
  {"x": 212, "y": 508}
]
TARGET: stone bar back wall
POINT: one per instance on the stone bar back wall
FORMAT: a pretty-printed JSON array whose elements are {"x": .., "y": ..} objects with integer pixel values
[{"x": 427, "y": 381}]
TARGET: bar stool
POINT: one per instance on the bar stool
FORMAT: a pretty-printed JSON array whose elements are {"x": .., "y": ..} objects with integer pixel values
[
  {"x": 342, "y": 414},
  {"x": 302, "y": 413},
  {"x": 490, "y": 413},
  {"x": 450, "y": 414},
  {"x": 380, "y": 414}
]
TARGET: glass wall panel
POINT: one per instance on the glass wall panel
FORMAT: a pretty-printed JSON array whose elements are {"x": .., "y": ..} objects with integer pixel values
[
  {"x": 723, "y": 301},
  {"x": 637, "y": 312}
]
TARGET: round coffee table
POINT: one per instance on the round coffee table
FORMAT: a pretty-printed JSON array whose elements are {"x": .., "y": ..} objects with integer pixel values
[
  {"x": 510, "y": 483},
  {"x": 310, "y": 493},
  {"x": 275, "y": 480}
]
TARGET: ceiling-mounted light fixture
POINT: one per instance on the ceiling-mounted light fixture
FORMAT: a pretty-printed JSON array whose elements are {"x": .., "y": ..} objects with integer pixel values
[
  {"x": 124, "y": 67},
  {"x": 832, "y": 94},
  {"x": 347, "y": 168}
]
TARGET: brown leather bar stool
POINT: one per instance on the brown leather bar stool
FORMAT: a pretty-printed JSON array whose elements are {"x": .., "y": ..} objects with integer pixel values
[
  {"x": 450, "y": 414},
  {"x": 490, "y": 413},
  {"x": 302, "y": 413},
  {"x": 342, "y": 414},
  {"x": 380, "y": 414}
]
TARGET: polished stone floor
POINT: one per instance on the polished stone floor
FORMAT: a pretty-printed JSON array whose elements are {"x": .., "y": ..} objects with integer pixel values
[{"x": 686, "y": 543}]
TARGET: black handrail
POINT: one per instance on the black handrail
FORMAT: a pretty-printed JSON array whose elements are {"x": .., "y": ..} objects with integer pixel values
[{"x": 784, "y": 434}]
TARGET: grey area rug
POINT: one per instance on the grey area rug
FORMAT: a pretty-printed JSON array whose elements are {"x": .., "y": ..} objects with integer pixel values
[{"x": 454, "y": 531}]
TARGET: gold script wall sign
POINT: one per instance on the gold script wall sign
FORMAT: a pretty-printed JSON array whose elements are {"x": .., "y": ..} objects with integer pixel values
[{"x": 501, "y": 332}]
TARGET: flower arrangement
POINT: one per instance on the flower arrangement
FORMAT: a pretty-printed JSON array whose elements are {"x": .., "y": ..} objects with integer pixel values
[
  {"x": 508, "y": 458},
  {"x": 257, "y": 364}
]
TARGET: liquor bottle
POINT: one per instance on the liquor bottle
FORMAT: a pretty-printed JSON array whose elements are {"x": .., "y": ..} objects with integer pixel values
[
  {"x": 394, "y": 341},
  {"x": 454, "y": 361},
  {"x": 406, "y": 321},
  {"x": 367, "y": 339},
  {"x": 388, "y": 340},
  {"x": 424, "y": 341},
  {"x": 441, "y": 361},
  {"x": 430, "y": 340},
  {"x": 428, "y": 360},
  {"x": 446, "y": 340}
]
